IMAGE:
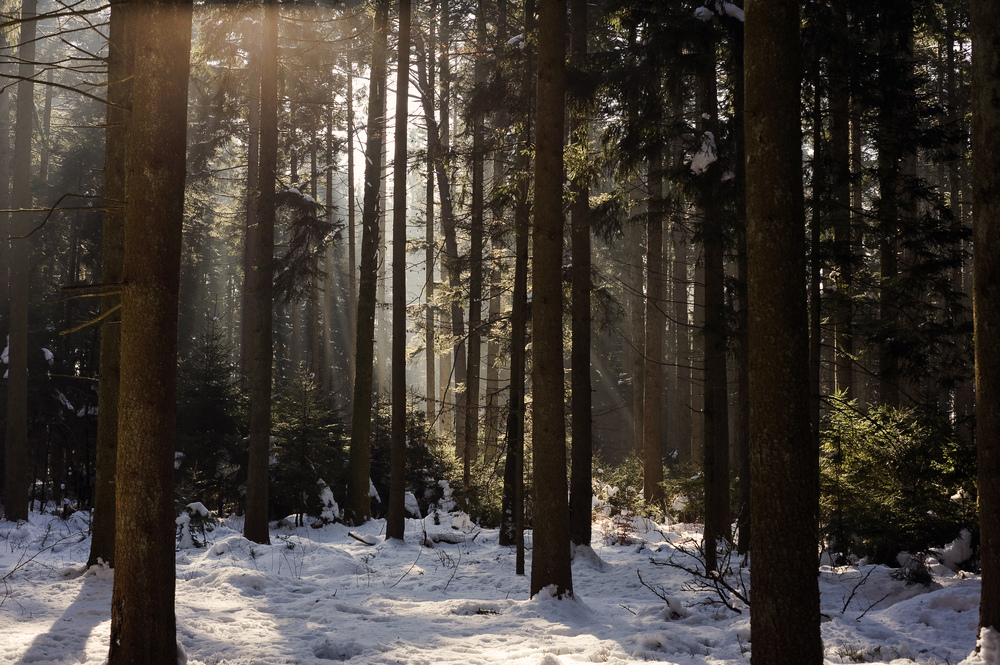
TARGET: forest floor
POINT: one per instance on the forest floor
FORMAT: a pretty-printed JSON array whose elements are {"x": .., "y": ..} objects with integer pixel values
[{"x": 450, "y": 594}]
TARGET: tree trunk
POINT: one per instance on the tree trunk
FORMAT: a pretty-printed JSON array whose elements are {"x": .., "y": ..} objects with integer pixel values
[
  {"x": 396, "y": 517},
  {"x": 839, "y": 160},
  {"x": 120, "y": 49},
  {"x": 512, "y": 528},
  {"x": 254, "y": 56},
  {"x": 16, "y": 470},
  {"x": 352, "y": 259},
  {"x": 358, "y": 506},
  {"x": 652, "y": 433},
  {"x": 143, "y": 626},
  {"x": 784, "y": 464},
  {"x": 679, "y": 436},
  {"x": 716, "y": 394},
  {"x": 637, "y": 332},
  {"x": 986, "y": 296},
  {"x": 581, "y": 490},
  {"x": 473, "y": 368},
  {"x": 430, "y": 334},
  {"x": 551, "y": 554},
  {"x": 260, "y": 286}
]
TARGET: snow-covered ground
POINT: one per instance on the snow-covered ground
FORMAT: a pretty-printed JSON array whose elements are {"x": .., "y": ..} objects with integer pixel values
[{"x": 320, "y": 595}]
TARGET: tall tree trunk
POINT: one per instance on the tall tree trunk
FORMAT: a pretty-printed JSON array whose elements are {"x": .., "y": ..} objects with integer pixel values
[
  {"x": 473, "y": 368},
  {"x": 784, "y": 464},
  {"x": 4, "y": 199},
  {"x": 120, "y": 48},
  {"x": 430, "y": 334},
  {"x": 512, "y": 528},
  {"x": 986, "y": 298},
  {"x": 637, "y": 329},
  {"x": 742, "y": 345},
  {"x": 358, "y": 506},
  {"x": 451, "y": 257},
  {"x": 254, "y": 56},
  {"x": 581, "y": 490},
  {"x": 652, "y": 432},
  {"x": 315, "y": 323},
  {"x": 716, "y": 394},
  {"x": 550, "y": 564},
  {"x": 260, "y": 286},
  {"x": 820, "y": 198},
  {"x": 895, "y": 34},
  {"x": 679, "y": 436},
  {"x": 840, "y": 197},
  {"x": 16, "y": 460},
  {"x": 46, "y": 133},
  {"x": 352, "y": 259},
  {"x": 329, "y": 304},
  {"x": 143, "y": 628},
  {"x": 395, "y": 519}
]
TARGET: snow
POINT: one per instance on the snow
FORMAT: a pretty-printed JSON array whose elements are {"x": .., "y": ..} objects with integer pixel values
[
  {"x": 724, "y": 8},
  {"x": 449, "y": 594},
  {"x": 729, "y": 9},
  {"x": 706, "y": 155}
]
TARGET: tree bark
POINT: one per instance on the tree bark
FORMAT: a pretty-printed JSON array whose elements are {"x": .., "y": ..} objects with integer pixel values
[
  {"x": 652, "y": 373},
  {"x": 986, "y": 295},
  {"x": 551, "y": 554},
  {"x": 120, "y": 47},
  {"x": 358, "y": 506},
  {"x": 473, "y": 367},
  {"x": 430, "y": 334},
  {"x": 16, "y": 480},
  {"x": 581, "y": 489},
  {"x": 143, "y": 628},
  {"x": 784, "y": 464},
  {"x": 512, "y": 528},
  {"x": 396, "y": 517},
  {"x": 716, "y": 394},
  {"x": 260, "y": 286}
]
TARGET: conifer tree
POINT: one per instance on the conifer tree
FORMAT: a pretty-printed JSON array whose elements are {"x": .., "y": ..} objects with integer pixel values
[
  {"x": 986, "y": 299},
  {"x": 143, "y": 626},
  {"x": 785, "y": 596},
  {"x": 551, "y": 553},
  {"x": 358, "y": 506}
]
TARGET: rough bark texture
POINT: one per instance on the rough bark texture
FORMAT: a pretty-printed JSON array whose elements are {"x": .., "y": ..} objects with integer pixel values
[
  {"x": 551, "y": 554},
  {"x": 358, "y": 506},
  {"x": 396, "y": 517},
  {"x": 143, "y": 627},
  {"x": 16, "y": 480},
  {"x": 260, "y": 286},
  {"x": 785, "y": 492},
  {"x": 102, "y": 544},
  {"x": 581, "y": 482},
  {"x": 986, "y": 292}
]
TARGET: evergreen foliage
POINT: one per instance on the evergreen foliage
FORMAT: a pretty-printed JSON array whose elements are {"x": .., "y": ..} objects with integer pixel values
[
  {"x": 894, "y": 480},
  {"x": 211, "y": 456},
  {"x": 308, "y": 452}
]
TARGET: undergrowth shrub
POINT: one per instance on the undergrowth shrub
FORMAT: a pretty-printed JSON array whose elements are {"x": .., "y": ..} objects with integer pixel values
[
  {"x": 892, "y": 481},
  {"x": 428, "y": 459}
]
